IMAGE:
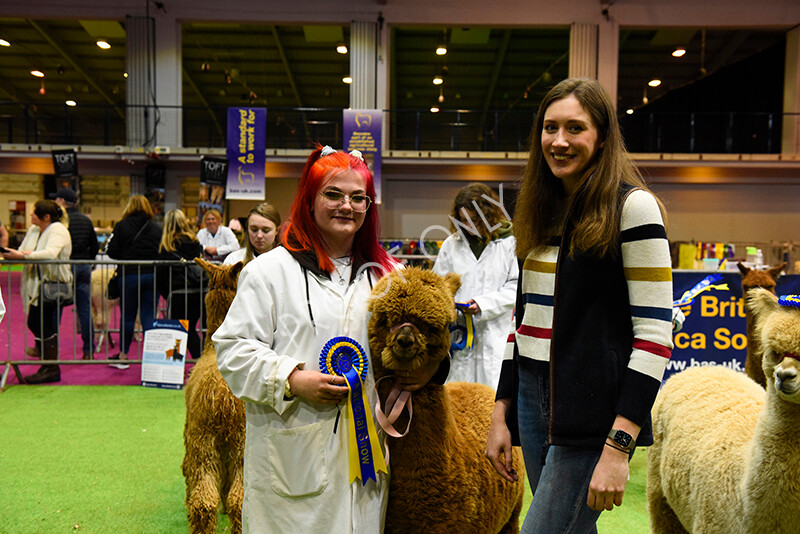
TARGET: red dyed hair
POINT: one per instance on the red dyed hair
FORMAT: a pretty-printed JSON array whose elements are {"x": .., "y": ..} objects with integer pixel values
[{"x": 301, "y": 233}]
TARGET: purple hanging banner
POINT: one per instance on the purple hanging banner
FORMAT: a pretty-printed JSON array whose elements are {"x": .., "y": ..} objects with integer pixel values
[
  {"x": 362, "y": 131},
  {"x": 247, "y": 143}
]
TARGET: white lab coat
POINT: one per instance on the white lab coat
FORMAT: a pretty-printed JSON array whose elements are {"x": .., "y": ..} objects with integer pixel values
[
  {"x": 296, "y": 467},
  {"x": 491, "y": 281}
]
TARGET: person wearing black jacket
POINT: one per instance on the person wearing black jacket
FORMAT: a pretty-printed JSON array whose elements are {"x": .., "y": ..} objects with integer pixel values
[
  {"x": 136, "y": 237},
  {"x": 175, "y": 283},
  {"x": 84, "y": 247}
]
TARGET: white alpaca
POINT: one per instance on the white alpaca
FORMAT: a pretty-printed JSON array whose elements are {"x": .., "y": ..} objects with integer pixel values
[{"x": 726, "y": 457}]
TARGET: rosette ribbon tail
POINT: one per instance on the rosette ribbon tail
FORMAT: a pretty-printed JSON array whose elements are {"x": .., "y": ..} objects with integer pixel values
[{"x": 366, "y": 456}]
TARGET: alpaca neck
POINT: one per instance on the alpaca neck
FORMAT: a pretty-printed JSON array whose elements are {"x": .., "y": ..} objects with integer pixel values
[{"x": 432, "y": 420}]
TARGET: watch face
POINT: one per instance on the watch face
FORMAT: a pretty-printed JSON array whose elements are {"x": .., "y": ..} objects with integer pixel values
[{"x": 623, "y": 438}]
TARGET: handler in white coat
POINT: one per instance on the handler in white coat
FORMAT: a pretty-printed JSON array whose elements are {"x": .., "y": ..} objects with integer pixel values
[
  {"x": 290, "y": 302},
  {"x": 488, "y": 267}
]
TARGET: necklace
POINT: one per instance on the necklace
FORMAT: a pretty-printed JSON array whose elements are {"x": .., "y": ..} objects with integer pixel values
[{"x": 340, "y": 265}]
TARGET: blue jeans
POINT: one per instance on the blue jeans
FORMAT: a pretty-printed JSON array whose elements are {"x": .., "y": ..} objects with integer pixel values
[
  {"x": 561, "y": 485},
  {"x": 83, "y": 303},
  {"x": 138, "y": 291}
]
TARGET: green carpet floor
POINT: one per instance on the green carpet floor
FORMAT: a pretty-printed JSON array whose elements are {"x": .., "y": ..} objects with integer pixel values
[{"x": 106, "y": 459}]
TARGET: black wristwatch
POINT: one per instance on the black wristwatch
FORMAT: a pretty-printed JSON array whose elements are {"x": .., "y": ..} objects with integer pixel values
[{"x": 622, "y": 439}]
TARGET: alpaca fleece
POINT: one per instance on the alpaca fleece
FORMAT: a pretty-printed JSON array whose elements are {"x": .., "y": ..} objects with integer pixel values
[
  {"x": 440, "y": 480},
  {"x": 213, "y": 434},
  {"x": 726, "y": 457}
]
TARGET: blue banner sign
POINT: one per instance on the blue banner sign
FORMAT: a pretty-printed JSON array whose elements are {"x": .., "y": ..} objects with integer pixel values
[
  {"x": 362, "y": 131},
  {"x": 247, "y": 143},
  {"x": 715, "y": 330}
]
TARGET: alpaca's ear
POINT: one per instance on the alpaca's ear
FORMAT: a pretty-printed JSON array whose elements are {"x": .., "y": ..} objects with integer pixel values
[
  {"x": 775, "y": 272},
  {"x": 203, "y": 263},
  {"x": 237, "y": 267},
  {"x": 452, "y": 281},
  {"x": 761, "y": 303},
  {"x": 742, "y": 269}
]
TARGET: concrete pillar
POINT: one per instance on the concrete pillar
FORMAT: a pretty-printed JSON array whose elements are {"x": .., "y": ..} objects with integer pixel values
[
  {"x": 583, "y": 51},
  {"x": 608, "y": 58},
  {"x": 790, "y": 143},
  {"x": 138, "y": 65},
  {"x": 363, "y": 64},
  {"x": 169, "y": 74}
]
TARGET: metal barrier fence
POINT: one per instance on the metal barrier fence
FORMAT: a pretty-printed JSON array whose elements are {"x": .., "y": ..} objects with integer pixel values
[{"x": 107, "y": 317}]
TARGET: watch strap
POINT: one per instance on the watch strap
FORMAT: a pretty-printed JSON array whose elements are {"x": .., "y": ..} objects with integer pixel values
[{"x": 622, "y": 439}]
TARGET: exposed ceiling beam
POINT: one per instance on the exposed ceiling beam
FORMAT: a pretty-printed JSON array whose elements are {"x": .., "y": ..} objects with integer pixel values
[
  {"x": 187, "y": 77},
  {"x": 499, "y": 59},
  {"x": 75, "y": 65},
  {"x": 8, "y": 90},
  {"x": 286, "y": 66},
  {"x": 730, "y": 47}
]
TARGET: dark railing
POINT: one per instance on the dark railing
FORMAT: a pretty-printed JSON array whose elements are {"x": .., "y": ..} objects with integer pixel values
[{"x": 409, "y": 130}]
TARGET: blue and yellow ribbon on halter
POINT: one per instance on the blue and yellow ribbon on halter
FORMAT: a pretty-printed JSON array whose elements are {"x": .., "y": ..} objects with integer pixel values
[
  {"x": 789, "y": 300},
  {"x": 705, "y": 284},
  {"x": 467, "y": 339},
  {"x": 343, "y": 356}
]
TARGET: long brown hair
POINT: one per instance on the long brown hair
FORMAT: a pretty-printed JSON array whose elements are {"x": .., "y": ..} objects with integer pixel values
[
  {"x": 542, "y": 203},
  {"x": 269, "y": 212},
  {"x": 477, "y": 197}
]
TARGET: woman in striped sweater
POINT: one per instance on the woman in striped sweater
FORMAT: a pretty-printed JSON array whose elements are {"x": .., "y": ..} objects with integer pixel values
[{"x": 592, "y": 332}]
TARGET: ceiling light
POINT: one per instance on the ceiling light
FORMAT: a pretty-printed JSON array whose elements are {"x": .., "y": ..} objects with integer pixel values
[
  {"x": 441, "y": 50},
  {"x": 42, "y": 90},
  {"x": 71, "y": 103},
  {"x": 124, "y": 74},
  {"x": 347, "y": 79},
  {"x": 434, "y": 109},
  {"x": 630, "y": 111},
  {"x": 102, "y": 43},
  {"x": 37, "y": 73},
  {"x": 341, "y": 48},
  {"x": 655, "y": 82},
  {"x": 3, "y": 42},
  {"x": 679, "y": 52},
  {"x": 438, "y": 80}
]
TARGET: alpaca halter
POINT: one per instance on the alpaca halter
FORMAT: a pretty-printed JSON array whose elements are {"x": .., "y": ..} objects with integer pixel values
[
  {"x": 792, "y": 355},
  {"x": 397, "y": 327}
]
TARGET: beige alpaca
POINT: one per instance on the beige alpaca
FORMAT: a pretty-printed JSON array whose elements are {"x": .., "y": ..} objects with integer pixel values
[
  {"x": 726, "y": 457},
  {"x": 440, "y": 480},
  {"x": 100, "y": 305},
  {"x": 213, "y": 435},
  {"x": 752, "y": 278}
]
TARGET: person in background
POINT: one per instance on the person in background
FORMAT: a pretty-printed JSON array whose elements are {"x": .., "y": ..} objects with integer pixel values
[
  {"x": 46, "y": 239},
  {"x": 261, "y": 230},
  {"x": 236, "y": 228},
  {"x": 592, "y": 333},
  {"x": 136, "y": 237},
  {"x": 179, "y": 242},
  {"x": 481, "y": 250},
  {"x": 218, "y": 241},
  {"x": 3, "y": 236},
  {"x": 289, "y": 304},
  {"x": 84, "y": 247}
]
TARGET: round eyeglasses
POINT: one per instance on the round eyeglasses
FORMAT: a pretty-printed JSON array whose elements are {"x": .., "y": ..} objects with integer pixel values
[{"x": 335, "y": 199}]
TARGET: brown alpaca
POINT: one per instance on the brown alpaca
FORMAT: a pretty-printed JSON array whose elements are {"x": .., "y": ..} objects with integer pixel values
[
  {"x": 213, "y": 435},
  {"x": 440, "y": 480},
  {"x": 752, "y": 278}
]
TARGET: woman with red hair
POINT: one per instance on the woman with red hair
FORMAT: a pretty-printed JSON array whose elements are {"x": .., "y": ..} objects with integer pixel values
[{"x": 292, "y": 303}]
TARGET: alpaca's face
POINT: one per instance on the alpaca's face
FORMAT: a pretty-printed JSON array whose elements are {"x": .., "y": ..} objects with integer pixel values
[
  {"x": 780, "y": 337},
  {"x": 411, "y": 312}
]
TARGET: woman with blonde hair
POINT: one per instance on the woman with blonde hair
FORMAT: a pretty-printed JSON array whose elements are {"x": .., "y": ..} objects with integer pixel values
[
  {"x": 46, "y": 239},
  {"x": 261, "y": 231},
  {"x": 135, "y": 237},
  {"x": 184, "y": 294}
]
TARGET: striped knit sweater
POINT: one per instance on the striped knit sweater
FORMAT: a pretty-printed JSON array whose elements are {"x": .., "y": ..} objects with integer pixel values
[{"x": 612, "y": 348}]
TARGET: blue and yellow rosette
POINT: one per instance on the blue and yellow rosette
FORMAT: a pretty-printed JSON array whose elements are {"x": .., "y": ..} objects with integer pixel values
[
  {"x": 343, "y": 356},
  {"x": 792, "y": 301},
  {"x": 705, "y": 284},
  {"x": 467, "y": 332}
]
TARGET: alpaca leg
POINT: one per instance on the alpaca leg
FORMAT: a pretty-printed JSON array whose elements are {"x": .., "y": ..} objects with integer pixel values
[
  {"x": 234, "y": 498},
  {"x": 202, "y": 501},
  {"x": 512, "y": 527}
]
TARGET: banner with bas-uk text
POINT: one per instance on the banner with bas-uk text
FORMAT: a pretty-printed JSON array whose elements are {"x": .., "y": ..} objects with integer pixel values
[
  {"x": 247, "y": 143},
  {"x": 715, "y": 330},
  {"x": 362, "y": 131}
]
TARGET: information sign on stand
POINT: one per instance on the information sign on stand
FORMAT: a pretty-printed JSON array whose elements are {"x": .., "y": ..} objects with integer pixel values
[{"x": 164, "y": 354}]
